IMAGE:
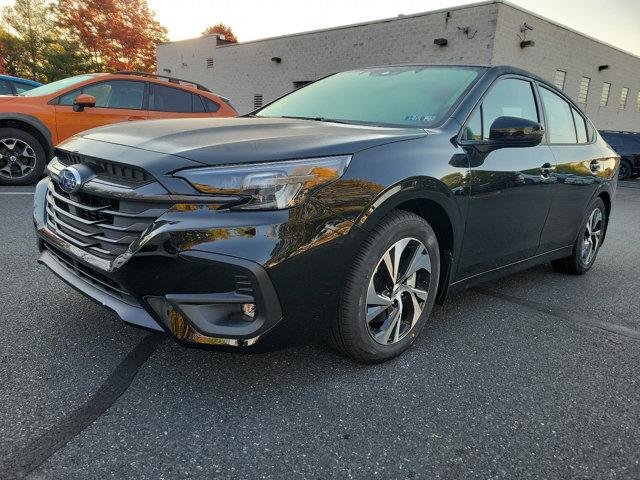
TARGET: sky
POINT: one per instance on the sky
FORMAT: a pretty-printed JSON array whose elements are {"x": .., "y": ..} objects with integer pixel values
[{"x": 613, "y": 21}]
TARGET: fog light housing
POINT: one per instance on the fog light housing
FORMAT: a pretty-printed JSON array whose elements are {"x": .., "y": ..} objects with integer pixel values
[{"x": 213, "y": 319}]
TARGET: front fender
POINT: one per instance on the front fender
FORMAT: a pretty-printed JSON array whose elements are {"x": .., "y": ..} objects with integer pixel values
[
  {"x": 33, "y": 122},
  {"x": 428, "y": 170}
]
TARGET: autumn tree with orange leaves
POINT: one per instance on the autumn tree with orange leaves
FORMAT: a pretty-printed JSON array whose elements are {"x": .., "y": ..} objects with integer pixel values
[
  {"x": 120, "y": 34},
  {"x": 222, "y": 29}
]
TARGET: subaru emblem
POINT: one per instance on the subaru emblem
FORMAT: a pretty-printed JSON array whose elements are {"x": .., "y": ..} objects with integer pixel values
[{"x": 69, "y": 180}]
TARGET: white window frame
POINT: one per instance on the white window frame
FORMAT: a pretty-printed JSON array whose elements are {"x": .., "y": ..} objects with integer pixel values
[
  {"x": 624, "y": 95},
  {"x": 606, "y": 92},
  {"x": 559, "y": 79},
  {"x": 583, "y": 90}
]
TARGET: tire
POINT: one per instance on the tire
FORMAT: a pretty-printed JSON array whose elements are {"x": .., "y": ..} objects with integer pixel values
[
  {"x": 378, "y": 338},
  {"x": 626, "y": 169},
  {"x": 577, "y": 263},
  {"x": 22, "y": 157}
]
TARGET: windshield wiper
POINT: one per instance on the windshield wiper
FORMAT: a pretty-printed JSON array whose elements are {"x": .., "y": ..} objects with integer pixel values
[
  {"x": 318, "y": 119},
  {"x": 330, "y": 120}
]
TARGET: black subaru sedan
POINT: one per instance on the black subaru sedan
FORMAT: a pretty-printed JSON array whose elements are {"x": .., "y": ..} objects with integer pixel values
[{"x": 342, "y": 211}]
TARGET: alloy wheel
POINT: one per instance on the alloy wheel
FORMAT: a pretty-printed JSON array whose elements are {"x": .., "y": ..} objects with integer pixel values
[
  {"x": 17, "y": 158},
  {"x": 398, "y": 291},
  {"x": 592, "y": 236}
]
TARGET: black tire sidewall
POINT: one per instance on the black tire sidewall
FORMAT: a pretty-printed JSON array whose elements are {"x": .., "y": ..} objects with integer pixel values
[
  {"x": 398, "y": 227},
  {"x": 38, "y": 149},
  {"x": 629, "y": 169}
]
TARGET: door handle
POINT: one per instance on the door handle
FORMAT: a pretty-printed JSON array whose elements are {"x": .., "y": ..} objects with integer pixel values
[
  {"x": 132, "y": 118},
  {"x": 546, "y": 169},
  {"x": 594, "y": 166}
]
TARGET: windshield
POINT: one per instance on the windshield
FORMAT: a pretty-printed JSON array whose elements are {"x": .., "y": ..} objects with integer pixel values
[
  {"x": 413, "y": 96},
  {"x": 53, "y": 87}
]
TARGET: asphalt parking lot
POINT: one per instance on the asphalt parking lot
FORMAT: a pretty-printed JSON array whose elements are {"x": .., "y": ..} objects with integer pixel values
[{"x": 532, "y": 376}]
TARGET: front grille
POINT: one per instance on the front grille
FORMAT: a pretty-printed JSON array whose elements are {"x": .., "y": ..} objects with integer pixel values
[
  {"x": 101, "y": 282},
  {"x": 119, "y": 172},
  {"x": 100, "y": 225}
]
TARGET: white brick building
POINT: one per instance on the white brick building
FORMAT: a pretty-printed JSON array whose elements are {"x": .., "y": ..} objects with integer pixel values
[{"x": 491, "y": 32}]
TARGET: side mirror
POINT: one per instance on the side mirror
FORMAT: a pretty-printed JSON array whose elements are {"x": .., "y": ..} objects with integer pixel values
[
  {"x": 83, "y": 100},
  {"x": 515, "y": 132}
]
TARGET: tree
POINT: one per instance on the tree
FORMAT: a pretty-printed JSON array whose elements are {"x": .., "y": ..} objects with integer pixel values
[
  {"x": 32, "y": 24},
  {"x": 11, "y": 54},
  {"x": 122, "y": 34},
  {"x": 221, "y": 29},
  {"x": 65, "y": 57}
]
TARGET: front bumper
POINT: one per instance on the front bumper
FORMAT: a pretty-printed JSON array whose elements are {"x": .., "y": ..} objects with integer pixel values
[{"x": 188, "y": 279}]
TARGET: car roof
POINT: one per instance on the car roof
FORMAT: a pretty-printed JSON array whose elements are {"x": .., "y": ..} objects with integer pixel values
[
  {"x": 153, "y": 78},
  {"x": 162, "y": 79},
  {"x": 21, "y": 80}
]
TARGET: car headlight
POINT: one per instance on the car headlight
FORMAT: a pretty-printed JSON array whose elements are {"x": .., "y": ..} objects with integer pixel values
[{"x": 270, "y": 185}]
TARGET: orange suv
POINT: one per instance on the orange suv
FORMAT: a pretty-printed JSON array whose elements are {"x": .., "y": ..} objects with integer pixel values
[{"x": 33, "y": 122}]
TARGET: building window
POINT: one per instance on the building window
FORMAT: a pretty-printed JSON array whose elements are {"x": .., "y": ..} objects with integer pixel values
[
  {"x": 583, "y": 92},
  {"x": 623, "y": 98},
  {"x": 210, "y": 62},
  {"x": 604, "y": 98},
  {"x": 558, "y": 80},
  {"x": 257, "y": 101},
  {"x": 638, "y": 102},
  {"x": 300, "y": 84}
]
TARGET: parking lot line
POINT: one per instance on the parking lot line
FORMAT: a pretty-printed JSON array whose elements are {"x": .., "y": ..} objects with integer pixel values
[{"x": 16, "y": 193}]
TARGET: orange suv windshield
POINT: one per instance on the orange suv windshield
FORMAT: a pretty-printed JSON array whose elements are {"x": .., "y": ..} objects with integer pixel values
[{"x": 54, "y": 87}]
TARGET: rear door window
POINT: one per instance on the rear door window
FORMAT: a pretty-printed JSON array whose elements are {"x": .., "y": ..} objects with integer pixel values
[
  {"x": 211, "y": 105},
  {"x": 169, "y": 99},
  {"x": 560, "y": 123},
  {"x": 581, "y": 126},
  {"x": 198, "y": 105}
]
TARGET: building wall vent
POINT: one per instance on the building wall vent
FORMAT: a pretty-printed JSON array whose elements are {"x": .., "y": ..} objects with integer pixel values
[
  {"x": 210, "y": 62},
  {"x": 257, "y": 101}
]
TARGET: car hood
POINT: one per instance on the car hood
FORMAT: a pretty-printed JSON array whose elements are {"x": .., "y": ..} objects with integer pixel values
[{"x": 215, "y": 141}]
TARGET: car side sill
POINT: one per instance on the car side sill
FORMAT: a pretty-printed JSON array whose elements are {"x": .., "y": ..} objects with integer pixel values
[{"x": 510, "y": 268}]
